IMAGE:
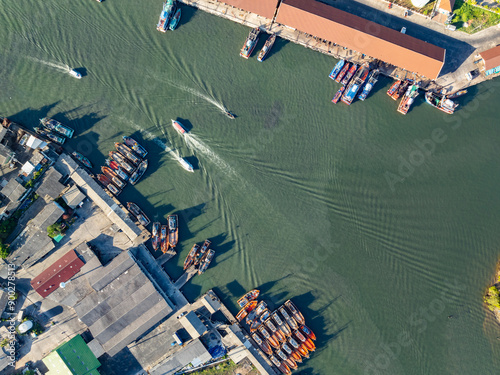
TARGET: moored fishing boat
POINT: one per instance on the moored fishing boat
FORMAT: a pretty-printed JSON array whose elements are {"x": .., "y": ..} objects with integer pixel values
[
  {"x": 185, "y": 164},
  {"x": 139, "y": 172},
  {"x": 263, "y": 345},
  {"x": 117, "y": 169},
  {"x": 250, "y": 43},
  {"x": 198, "y": 259},
  {"x": 342, "y": 72},
  {"x": 289, "y": 361},
  {"x": 192, "y": 254},
  {"x": 401, "y": 90},
  {"x": 138, "y": 214},
  {"x": 270, "y": 339},
  {"x": 290, "y": 320},
  {"x": 82, "y": 159},
  {"x": 275, "y": 331},
  {"x": 350, "y": 74},
  {"x": 308, "y": 332},
  {"x": 440, "y": 102},
  {"x": 116, "y": 156},
  {"x": 138, "y": 149},
  {"x": 51, "y": 136},
  {"x": 113, "y": 177},
  {"x": 297, "y": 315},
  {"x": 164, "y": 238},
  {"x": 255, "y": 325},
  {"x": 56, "y": 126},
  {"x": 127, "y": 153},
  {"x": 299, "y": 347},
  {"x": 336, "y": 69},
  {"x": 372, "y": 79},
  {"x": 291, "y": 353},
  {"x": 408, "y": 99},
  {"x": 267, "y": 47},
  {"x": 178, "y": 127},
  {"x": 301, "y": 340},
  {"x": 261, "y": 307},
  {"x": 394, "y": 87},
  {"x": 206, "y": 261},
  {"x": 165, "y": 14},
  {"x": 249, "y": 296},
  {"x": 245, "y": 310},
  {"x": 358, "y": 81},
  {"x": 107, "y": 183},
  {"x": 155, "y": 235},
  {"x": 280, "y": 365},
  {"x": 265, "y": 315},
  {"x": 174, "y": 21},
  {"x": 173, "y": 230},
  {"x": 338, "y": 95},
  {"x": 283, "y": 327},
  {"x": 457, "y": 94}
]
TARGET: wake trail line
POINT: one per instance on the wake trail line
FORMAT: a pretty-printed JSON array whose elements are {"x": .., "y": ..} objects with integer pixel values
[
  {"x": 207, "y": 98},
  {"x": 151, "y": 137},
  {"x": 58, "y": 66}
]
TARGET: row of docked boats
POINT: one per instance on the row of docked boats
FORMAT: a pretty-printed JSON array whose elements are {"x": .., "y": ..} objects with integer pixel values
[
  {"x": 54, "y": 130},
  {"x": 199, "y": 257},
  {"x": 165, "y": 236},
  {"x": 281, "y": 334},
  {"x": 251, "y": 42},
  {"x": 354, "y": 80},
  {"x": 125, "y": 165},
  {"x": 169, "y": 17},
  {"x": 138, "y": 214}
]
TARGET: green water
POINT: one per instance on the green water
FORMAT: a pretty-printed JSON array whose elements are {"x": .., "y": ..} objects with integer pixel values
[{"x": 294, "y": 192}]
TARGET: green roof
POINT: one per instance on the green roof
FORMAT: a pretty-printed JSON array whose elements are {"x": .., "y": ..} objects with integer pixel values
[{"x": 72, "y": 358}]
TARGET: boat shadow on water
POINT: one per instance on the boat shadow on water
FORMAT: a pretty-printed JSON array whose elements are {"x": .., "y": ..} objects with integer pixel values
[
  {"x": 279, "y": 43},
  {"x": 83, "y": 71},
  {"x": 187, "y": 13}
]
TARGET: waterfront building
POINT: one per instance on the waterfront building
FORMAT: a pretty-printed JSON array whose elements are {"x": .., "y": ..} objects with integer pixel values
[
  {"x": 263, "y": 8},
  {"x": 491, "y": 60}
]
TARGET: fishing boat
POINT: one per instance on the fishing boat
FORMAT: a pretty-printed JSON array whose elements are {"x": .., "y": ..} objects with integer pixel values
[
  {"x": 291, "y": 353},
  {"x": 250, "y": 296},
  {"x": 336, "y": 69},
  {"x": 117, "y": 169},
  {"x": 82, "y": 159},
  {"x": 401, "y": 90},
  {"x": 255, "y": 325},
  {"x": 267, "y": 47},
  {"x": 308, "y": 332},
  {"x": 185, "y": 164},
  {"x": 51, "y": 136},
  {"x": 250, "y": 43},
  {"x": 357, "y": 82},
  {"x": 138, "y": 214},
  {"x": 75, "y": 74},
  {"x": 178, "y": 127},
  {"x": 138, "y": 149},
  {"x": 107, "y": 183},
  {"x": 283, "y": 327},
  {"x": 301, "y": 340},
  {"x": 229, "y": 114},
  {"x": 261, "y": 307},
  {"x": 342, "y": 72},
  {"x": 252, "y": 316},
  {"x": 116, "y": 156},
  {"x": 290, "y": 320},
  {"x": 127, "y": 153},
  {"x": 275, "y": 331},
  {"x": 263, "y": 345},
  {"x": 55, "y": 126},
  {"x": 265, "y": 315},
  {"x": 165, "y": 14},
  {"x": 200, "y": 256},
  {"x": 155, "y": 235},
  {"x": 280, "y": 365},
  {"x": 164, "y": 238},
  {"x": 408, "y": 99},
  {"x": 245, "y": 310},
  {"x": 297, "y": 315},
  {"x": 190, "y": 258},
  {"x": 289, "y": 361},
  {"x": 440, "y": 102},
  {"x": 372, "y": 79},
  {"x": 139, "y": 172},
  {"x": 394, "y": 87},
  {"x": 302, "y": 349},
  {"x": 206, "y": 261},
  {"x": 270, "y": 339},
  {"x": 457, "y": 94},
  {"x": 349, "y": 74},
  {"x": 306, "y": 341},
  {"x": 338, "y": 95},
  {"x": 174, "y": 21},
  {"x": 173, "y": 230},
  {"x": 108, "y": 172}
]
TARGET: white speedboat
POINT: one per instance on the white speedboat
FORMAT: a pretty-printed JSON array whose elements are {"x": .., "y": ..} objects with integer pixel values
[
  {"x": 75, "y": 74},
  {"x": 186, "y": 165}
]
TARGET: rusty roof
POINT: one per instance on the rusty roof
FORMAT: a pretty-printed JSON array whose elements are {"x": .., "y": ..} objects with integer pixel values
[
  {"x": 491, "y": 57},
  {"x": 362, "y": 35},
  {"x": 61, "y": 271},
  {"x": 264, "y": 8},
  {"x": 447, "y": 5}
]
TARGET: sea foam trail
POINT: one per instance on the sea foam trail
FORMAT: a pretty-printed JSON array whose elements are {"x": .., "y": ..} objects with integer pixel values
[
  {"x": 207, "y": 98},
  {"x": 58, "y": 66}
]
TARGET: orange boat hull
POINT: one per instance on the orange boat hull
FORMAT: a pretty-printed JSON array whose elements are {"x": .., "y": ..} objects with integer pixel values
[{"x": 310, "y": 345}]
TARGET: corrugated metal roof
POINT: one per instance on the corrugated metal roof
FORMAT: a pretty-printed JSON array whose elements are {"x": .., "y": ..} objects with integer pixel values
[
  {"x": 61, "y": 271},
  {"x": 193, "y": 325},
  {"x": 447, "y": 5},
  {"x": 264, "y": 8},
  {"x": 491, "y": 57},
  {"x": 363, "y": 36}
]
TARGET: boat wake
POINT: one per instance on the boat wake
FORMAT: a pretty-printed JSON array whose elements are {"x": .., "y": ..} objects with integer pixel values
[
  {"x": 200, "y": 95},
  {"x": 58, "y": 66}
]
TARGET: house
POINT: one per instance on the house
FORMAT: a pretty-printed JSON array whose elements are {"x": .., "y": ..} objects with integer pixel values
[
  {"x": 491, "y": 60},
  {"x": 193, "y": 325},
  {"x": 73, "y": 196},
  {"x": 446, "y": 6},
  {"x": 50, "y": 188}
]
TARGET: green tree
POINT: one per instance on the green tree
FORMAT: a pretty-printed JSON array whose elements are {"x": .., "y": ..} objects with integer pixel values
[
  {"x": 4, "y": 343},
  {"x": 4, "y": 250},
  {"x": 54, "y": 230}
]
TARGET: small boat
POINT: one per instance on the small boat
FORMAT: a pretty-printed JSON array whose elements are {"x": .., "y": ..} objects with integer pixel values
[
  {"x": 275, "y": 331},
  {"x": 127, "y": 153},
  {"x": 457, "y": 94},
  {"x": 82, "y": 159},
  {"x": 290, "y": 320},
  {"x": 164, "y": 239},
  {"x": 302, "y": 340},
  {"x": 245, "y": 310},
  {"x": 358, "y": 81},
  {"x": 308, "y": 332},
  {"x": 107, "y": 183},
  {"x": 75, "y": 74},
  {"x": 185, "y": 164},
  {"x": 252, "y": 316},
  {"x": 250, "y": 43},
  {"x": 190, "y": 258},
  {"x": 155, "y": 235},
  {"x": 265, "y": 315},
  {"x": 250, "y": 296},
  {"x": 336, "y": 69},
  {"x": 206, "y": 261},
  {"x": 261, "y": 307},
  {"x": 139, "y": 172},
  {"x": 280, "y": 365},
  {"x": 174, "y": 21},
  {"x": 289, "y": 361},
  {"x": 116, "y": 156},
  {"x": 255, "y": 325},
  {"x": 270, "y": 339},
  {"x": 283, "y": 327},
  {"x": 173, "y": 230},
  {"x": 369, "y": 84},
  {"x": 349, "y": 74},
  {"x": 267, "y": 47},
  {"x": 342, "y": 72},
  {"x": 263, "y": 345},
  {"x": 200, "y": 256},
  {"x": 51, "y": 136},
  {"x": 401, "y": 90},
  {"x": 138, "y": 149},
  {"x": 55, "y": 126},
  {"x": 408, "y": 99},
  {"x": 291, "y": 353},
  {"x": 338, "y": 95},
  {"x": 394, "y": 87},
  {"x": 138, "y": 214},
  {"x": 165, "y": 14},
  {"x": 297, "y": 315},
  {"x": 440, "y": 102},
  {"x": 178, "y": 127},
  {"x": 118, "y": 170},
  {"x": 229, "y": 114},
  {"x": 113, "y": 177},
  {"x": 299, "y": 347}
]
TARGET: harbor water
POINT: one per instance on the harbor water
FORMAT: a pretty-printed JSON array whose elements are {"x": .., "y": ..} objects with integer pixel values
[{"x": 382, "y": 228}]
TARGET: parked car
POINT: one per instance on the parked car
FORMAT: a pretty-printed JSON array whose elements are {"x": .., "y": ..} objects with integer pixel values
[
  {"x": 403, "y": 30},
  {"x": 472, "y": 74}
]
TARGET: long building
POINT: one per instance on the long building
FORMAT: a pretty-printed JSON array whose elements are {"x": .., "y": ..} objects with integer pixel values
[{"x": 263, "y": 8}]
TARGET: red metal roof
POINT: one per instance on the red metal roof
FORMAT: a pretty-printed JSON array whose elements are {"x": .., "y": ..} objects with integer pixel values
[
  {"x": 264, "y": 8},
  {"x": 61, "y": 271},
  {"x": 491, "y": 57},
  {"x": 363, "y": 36}
]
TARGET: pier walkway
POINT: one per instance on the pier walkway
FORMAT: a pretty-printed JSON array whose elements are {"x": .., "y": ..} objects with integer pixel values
[{"x": 185, "y": 277}]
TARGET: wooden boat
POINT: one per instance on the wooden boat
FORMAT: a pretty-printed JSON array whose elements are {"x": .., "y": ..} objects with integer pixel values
[
  {"x": 308, "y": 332},
  {"x": 408, "y": 99},
  {"x": 282, "y": 366},
  {"x": 299, "y": 347},
  {"x": 113, "y": 177},
  {"x": 342, "y": 72},
  {"x": 401, "y": 90},
  {"x": 290, "y": 320},
  {"x": 255, "y": 325},
  {"x": 261, "y": 307},
  {"x": 173, "y": 230},
  {"x": 440, "y": 102},
  {"x": 297, "y": 315},
  {"x": 82, "y": 159},
  {"x": 291, "y": 353},
  {"x": 174, "y": 21},
  {"x": 270, "y": 339},
  {"x": 289, "y": 361},
  {"x": 263, "y": 345},
  {"x": 304, "y": 340},
  {"x": 138, "y": 214},
  {"x": 373, "y": 78},
  {"x": 275, "y": 331},
  {"x": 349, "y": 74},
  {"x": 201, "y": 254},
  {"x": 155, "y": 235},
  {"x": 127, "y": 153},
  {"x": 166, "y": 13},
  {"x": 164, "y": 239},
  {"x": 206, "y": 261},
  {"x": 265, "y": 315},
  {"x": 116, "y": 156},
  {"x": 245, "y": 310},
  {"x": 107, "y": 183},
  {"x": 457, "y": 94},
  {"x": 138, "y": 149},
  {"x": 139, "y": 172},
  {"x": 192, "y": 254},
  {"x": 336, "y": 69},
  {"x": 283, "y": 327},
  {"x": 55, "y": 126},
  {"x": 394, "y": 87},
  {"x": 267, "y": 47},
  {"x": 356, "y": 83},
  {"x": 51, "y": 136},
  {"x": 250, "y": 296},
  {"x": 250, "y": 43},
  {"x": 118, "y": 170},
  {"x": 338, "y": 95},
  {"x": 251, "y": 316}
]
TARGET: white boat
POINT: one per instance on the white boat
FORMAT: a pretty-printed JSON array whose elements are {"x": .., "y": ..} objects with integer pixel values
[
  {"x": 185, "y": 164},
  {"x": 75, "y": 74}
]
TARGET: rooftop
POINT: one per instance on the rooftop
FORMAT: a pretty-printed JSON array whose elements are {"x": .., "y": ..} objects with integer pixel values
[
  {"x": 193, "y": 325},
  {"x": 50, "y": 188},
  {"x": 194, "y": 352},
  {"x": 491, "y": 57},
  {"x": 48, "y": 216},
  {"x": 13, "y": 190},
  {"x": 73, "y": 197},
  {"x": 31, "y": 245},
  {"x": 264, "y": 8}
]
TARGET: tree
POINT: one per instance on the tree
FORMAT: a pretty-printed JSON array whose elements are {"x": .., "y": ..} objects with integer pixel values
[
  {"x": 4, "y": 343},
  {"x": 4, "y": 250},
  {"x": 54, "y": 230}
]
